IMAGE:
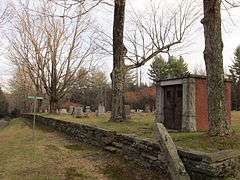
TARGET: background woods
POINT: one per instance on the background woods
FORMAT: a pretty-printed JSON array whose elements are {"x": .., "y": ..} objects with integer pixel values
[{"x": 51, "y": 49}]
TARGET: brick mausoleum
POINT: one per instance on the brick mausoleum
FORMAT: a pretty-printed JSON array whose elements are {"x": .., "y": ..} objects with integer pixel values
[{"x": 182, "y": 104}]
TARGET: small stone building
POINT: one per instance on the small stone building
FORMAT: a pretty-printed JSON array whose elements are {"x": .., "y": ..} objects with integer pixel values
[{"x": 182, "y": 104}]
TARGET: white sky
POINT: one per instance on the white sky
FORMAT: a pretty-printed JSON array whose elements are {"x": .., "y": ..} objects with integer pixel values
[{"x": 193, "y": 55}]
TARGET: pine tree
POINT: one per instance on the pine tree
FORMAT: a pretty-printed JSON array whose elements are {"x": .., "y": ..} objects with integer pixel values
[{"x": 161, "y": 69}]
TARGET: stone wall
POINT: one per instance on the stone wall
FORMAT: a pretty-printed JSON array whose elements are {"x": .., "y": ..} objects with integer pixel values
[{"x": 148, "y": 154}]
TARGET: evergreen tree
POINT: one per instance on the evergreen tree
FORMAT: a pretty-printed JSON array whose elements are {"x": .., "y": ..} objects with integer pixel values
[
  {"x": 177, "y": 66},
  {"x": 130, "y": 80},
  {"x": 161, "y": 69},
  {"x": 235, "y": 72}
]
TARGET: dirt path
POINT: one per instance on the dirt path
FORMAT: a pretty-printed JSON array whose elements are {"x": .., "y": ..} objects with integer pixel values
[{"x": 54, "y": 156}]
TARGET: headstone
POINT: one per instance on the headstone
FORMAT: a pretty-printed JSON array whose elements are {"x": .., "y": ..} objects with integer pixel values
[
  {"x": 128, "y": 111},
  {"x": 147, "y": 109},
  {"x": 101, "y": 110},
  {"x": 175, "y": 165},
  {"x": 63, "y": 111},
  {"x": 133, "y": 110},
  {"x": 78, "y": 110},
  {"x": 71, "y": 108},
  {"x": 88, "y": 109}
]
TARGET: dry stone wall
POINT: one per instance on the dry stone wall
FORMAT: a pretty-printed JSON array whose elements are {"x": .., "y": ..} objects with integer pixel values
[{"x": 199, "y": 165}]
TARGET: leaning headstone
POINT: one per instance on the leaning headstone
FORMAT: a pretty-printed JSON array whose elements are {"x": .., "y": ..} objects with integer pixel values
[
  {"x": 88, "y": 109},
  {"x": 101, "y": 110},
  {"x": 63, "y": 111},
  {"x": 128, "y": 111},
  {"x": 175, "y": 165},
  {"x": 78, "y": 110}
]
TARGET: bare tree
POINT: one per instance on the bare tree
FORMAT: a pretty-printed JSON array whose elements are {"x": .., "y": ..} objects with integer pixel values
[
  {"x": 52, "y": 48},
  {"x": 5, "y": 14},
  {"x": 20, "y": 87},
  {"x": 119, "y": 70},
  {"x": 157, "y": 32}
]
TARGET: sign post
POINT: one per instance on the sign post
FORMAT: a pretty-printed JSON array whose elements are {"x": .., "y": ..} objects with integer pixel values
[{"x": 35, "y": 98}]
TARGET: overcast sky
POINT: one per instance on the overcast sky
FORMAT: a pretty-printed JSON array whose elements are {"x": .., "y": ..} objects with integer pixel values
[{"x": 193, "y": 55}]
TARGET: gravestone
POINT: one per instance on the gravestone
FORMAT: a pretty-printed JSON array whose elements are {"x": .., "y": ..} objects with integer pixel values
[
  {"x": 101, "y": 110},
  {"x": 71, "y": 109},
  {"x": 175, "y": 165},
  {"x": 128, "y": 111},
  {"x": 88, "y": 109},
  {"x": 63, "y": 111},
  {"x": 147, "y": 109},
  {"x": 133, "y": 110},
  {"x": 78, "y": 110}
]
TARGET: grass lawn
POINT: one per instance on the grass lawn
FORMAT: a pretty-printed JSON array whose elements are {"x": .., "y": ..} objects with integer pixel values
[
  {"x": 142, "y": 126},
  {"x": 53, "y": 156}
]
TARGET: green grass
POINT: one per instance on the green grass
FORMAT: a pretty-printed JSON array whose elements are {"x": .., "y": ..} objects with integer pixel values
[
  {"x": 142, "y": 126},
  {"x": 54, "y": 156}
]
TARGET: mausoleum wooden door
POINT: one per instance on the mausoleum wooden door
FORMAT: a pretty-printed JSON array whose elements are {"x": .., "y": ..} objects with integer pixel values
[{"x": 173, "y": 107}]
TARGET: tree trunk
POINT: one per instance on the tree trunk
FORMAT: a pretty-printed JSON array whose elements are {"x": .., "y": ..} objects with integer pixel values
[
  {"x": 118, "y": 73},
  {"x": 53, "y": 104},
  {"x": 217, "y": 114}
]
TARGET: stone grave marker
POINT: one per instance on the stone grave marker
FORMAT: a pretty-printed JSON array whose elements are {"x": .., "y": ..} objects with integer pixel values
[
  {"x": 63, "y": 111},
  {"x": 128, "y": 111},
  {"x": 71, "y": 109},
  {"x": 147, "y": 109},
  {"x": 101, "y": 110},
  {"x": 175, "y": 165},
  {"x": 78, "y": 111},
  {"x": 133, "y": 110},
  {"x": 88, "y": 109}
]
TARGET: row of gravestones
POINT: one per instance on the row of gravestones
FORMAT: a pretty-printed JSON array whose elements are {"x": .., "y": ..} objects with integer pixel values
[
  {"x": 101, "y": 110},
  {"x": 79, "y": 110}
]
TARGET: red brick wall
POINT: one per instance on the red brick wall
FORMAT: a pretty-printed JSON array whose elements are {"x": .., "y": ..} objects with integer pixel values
[{"x": 202, "y": 103}]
